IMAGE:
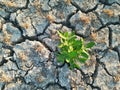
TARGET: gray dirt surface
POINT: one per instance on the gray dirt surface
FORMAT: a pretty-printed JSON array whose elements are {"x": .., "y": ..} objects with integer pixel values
[{"x": 28, "y": 41}]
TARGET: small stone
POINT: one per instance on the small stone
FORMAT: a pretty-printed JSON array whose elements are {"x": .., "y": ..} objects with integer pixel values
[
  {"x": 44, "y": 5},
  {"x": 5, "y": 77},
  {"x": 63, "y": 77},
  {"x": 30, "y": 53},
  {"x": 81, "y": 23},
  {"x": 62, "y": 10},
  {"x": 115, "y": 35},
  {"x": 110, "y": 1},
  {"x": 2, "y": 21},
  {"x": 102, "y": 39},
  {"x": 95, "y": 22},
  {"x": 75, "y": 19},
  {"x": 85, "y": 4},
  {"x": 53, "y": 3},
  {"x": 76, "y": 82},
  {"x": 52, "y": 29},
  {"x": 103, "y": 80},
  {"x": 24, "y": 22},
  {"x": 2, "y": 85},
  {"x": 89, "y": 66},
  {"x": 3, "y": 13},
  {"x": 110, "y": 14},
  {"x": 52, "y": 44},
  {"x": 85, "y": 23},
  {"x": 4, "y": 52},
  {"x": 18, "y": 86},
  {"x": 13, "y": 16},
  {"x": 111, "y": 62},
  {"x": 119, "y": 48},
  {"x": 13, "y": 32},
  {"x": 11, "y": 6},
  {"x": 41, "y": 76},
  {"x": 39, "y": 24},
  {"x": 54, "y": 87}
]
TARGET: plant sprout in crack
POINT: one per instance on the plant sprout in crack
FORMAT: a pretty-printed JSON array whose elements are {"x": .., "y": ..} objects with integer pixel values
[{"x": 72, "y": 50}]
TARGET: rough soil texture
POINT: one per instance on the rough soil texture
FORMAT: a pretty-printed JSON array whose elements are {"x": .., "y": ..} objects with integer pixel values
[{"x": 28, "y": 42}]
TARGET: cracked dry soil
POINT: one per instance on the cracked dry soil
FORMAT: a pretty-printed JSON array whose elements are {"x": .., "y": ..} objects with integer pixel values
[{"x": 28, "y": 42}]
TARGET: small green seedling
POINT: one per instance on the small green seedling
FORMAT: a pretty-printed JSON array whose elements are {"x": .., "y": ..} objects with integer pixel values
[{"x": 72, "y": 50}]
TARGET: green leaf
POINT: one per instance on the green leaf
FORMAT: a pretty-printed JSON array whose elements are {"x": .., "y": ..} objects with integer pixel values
[
  {"x": 82, "y": 40},
  {"x": 62, "y": 40},
  {"x": 77, "y": 66},
  {"x": 77, "y": 44},
  {"x": 72, "y": 54},
  {"x": 90, "y": 44},
  {"x": 61, "y": 35},
  {"x": 60, "y": 59},
  {"x": 82, "y": 60},
  {"x": 66, "y": 34},
  {"x": 61, "y": 45},
  {"x": 64, "y": 48},
  {"x": 67, "y": 60},
  {"x": 72, "y": 37},
  {"x": 72, "y": 65},
  {"x": 85, "y": 54},
  {"x": 70, "y": 49},
  {"x": 72, "y": 33}
]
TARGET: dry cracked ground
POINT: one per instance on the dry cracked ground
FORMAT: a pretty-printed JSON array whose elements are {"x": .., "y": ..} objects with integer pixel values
[{"x": 28, "y": 42}]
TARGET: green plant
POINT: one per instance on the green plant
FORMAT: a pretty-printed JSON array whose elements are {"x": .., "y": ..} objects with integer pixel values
[{"x": 72, "y": 50}]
